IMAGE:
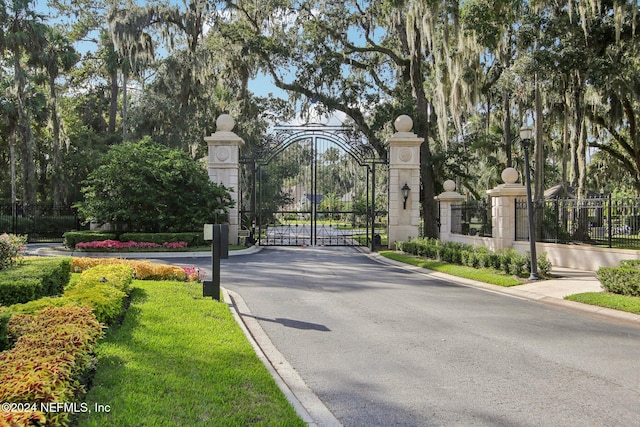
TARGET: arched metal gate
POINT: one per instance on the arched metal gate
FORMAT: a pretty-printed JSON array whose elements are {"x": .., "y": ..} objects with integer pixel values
[{"x": 314, "y": 185}]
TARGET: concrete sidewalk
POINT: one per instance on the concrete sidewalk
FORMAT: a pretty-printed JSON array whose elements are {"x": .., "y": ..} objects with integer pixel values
[{"x": 566, "y": 281}]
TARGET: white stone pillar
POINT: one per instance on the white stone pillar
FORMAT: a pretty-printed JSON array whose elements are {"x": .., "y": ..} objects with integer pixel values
[
  {"x": 404, "y": 168},
  {"x": 447, "y": 219},
  {"x": 503, "y": 208},
  {"x": 223, "y": 165}
]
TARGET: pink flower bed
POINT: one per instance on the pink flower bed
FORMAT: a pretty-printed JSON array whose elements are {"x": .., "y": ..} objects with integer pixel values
[
  {"x": 110, "y": 245},
  {"x": 193, "y": 273}
]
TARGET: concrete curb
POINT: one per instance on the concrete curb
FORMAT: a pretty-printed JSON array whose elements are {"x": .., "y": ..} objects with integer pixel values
[
  {"x": 514, "y": 292},
  {"x": 306, "y": 404}
]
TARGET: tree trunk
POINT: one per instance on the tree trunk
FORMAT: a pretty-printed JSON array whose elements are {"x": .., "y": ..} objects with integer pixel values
[
  {"x": 539, "y": 146},
  {"x": 24, "y": 130},
  {"x": 506, "y": 98},
  {"x": 565, "y": 143},
  {"x": 56, "y": 176},
  {"x": 427, "y": 175},
  {"x": 113, "y": 103},
  {"x": 124, "y": 106}
]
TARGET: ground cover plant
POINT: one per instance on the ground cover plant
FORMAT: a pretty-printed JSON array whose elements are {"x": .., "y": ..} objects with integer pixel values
[
  {"x": 50, "y": 359},
  {"x": 507, "y": 260},
  {"x": 142, "y": 270},
  {"x": 180, "y": 359},
  {"x": 485, "y": 275}
]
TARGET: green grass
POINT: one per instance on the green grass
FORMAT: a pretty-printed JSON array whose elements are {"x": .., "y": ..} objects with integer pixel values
[
  {"x": 609, "y": 300},
  {"x": 485, "y": 275},
  {"x": 179, "y": 359}
]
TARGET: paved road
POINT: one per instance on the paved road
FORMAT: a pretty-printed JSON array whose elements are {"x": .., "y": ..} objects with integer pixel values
[{"x": 382, "y": 346}]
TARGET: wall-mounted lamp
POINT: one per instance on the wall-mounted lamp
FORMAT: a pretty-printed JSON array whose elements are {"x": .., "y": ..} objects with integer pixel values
[{"x": 405, "y": 194}]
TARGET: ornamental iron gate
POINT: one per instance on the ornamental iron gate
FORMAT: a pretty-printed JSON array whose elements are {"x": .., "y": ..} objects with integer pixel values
[{"x": 314, "y": 185}]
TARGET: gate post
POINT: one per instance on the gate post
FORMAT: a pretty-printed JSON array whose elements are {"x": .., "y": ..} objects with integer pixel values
[
  {"x": 223, "y": 165},
  {"x": 404, "y": 168},
  {"x": 503, "y": 206}
]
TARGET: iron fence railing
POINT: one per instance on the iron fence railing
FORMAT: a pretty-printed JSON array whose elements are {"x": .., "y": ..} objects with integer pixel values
[
  {"x": 600, "y": 221},
  {"x": 41, "y": 223},
  {"x": 472, "y": 218}
]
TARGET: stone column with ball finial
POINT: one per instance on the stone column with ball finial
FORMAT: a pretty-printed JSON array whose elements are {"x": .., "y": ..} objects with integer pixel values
[
  {"x": 223, "y": 165},
  {"x": 503, "y": 208},
  {"x": 447, "y": 218},
  {"x": 404, "y": 182}
]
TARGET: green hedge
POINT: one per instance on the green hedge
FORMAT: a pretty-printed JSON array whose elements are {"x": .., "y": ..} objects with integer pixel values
[
  {"x": 192, "y": 238},
  {"x": 103, "y": 288},
  {"x": 4, "y": 319},
  {"x": 507, "y": 260},
  {"x": 624, "y": 279},
  {"x": 71, "y": 238},
  {"x": 34, "y": 278}
]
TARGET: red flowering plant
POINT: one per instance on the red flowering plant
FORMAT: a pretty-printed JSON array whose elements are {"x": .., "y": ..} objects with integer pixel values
[
  {"x": 115, "y": 245},
  {"x": 193, "y": 273}
]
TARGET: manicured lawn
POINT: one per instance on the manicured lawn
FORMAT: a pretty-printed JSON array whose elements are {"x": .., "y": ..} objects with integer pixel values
[
  {"x": 180, "y": 359},
  {"x": 485, "y": 275},
  {"x": 609, "y": 300}
]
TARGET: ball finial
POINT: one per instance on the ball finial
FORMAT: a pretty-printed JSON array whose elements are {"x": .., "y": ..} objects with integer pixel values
[
  {"x": 510, "y": 175},
  {"x": 403, "y": 123},
  {"x": 449, "y": 185},
  {"x": 225, "y": 123}
]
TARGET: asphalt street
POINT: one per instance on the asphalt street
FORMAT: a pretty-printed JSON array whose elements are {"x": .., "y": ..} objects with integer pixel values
[{"x": 381, "y": 346}]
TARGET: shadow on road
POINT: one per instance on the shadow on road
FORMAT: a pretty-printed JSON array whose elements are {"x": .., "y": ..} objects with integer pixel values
[{"x": 290, "y": 323}]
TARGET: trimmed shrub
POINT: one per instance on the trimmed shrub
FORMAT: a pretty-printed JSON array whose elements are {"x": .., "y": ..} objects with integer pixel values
[
  {"x": 518, "y": 264},
  {"x": 143, "y": 270},
  {"x": 35, "y": 306},
  {"x": 4, "y": 319},
  {"x": 624, "y": 279},
  {"x": 103, "y": 289},
  {"x": 71, "y": 238},
  {"x": 507, "y": 260},
  {"x": 106, "y": 301},
  {"x": 48, "y": 363},
  {"x": 192, "y": 238},
  {"x": 35, "y": 278},
  {"x": 118, "y": 276},
  {"x": 632, "y": 263}
]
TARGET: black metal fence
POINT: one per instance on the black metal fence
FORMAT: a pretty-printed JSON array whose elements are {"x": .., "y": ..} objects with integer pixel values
[
  {"x": 41, "y": 223},
  {"x": 600, "y": 221},
  {"x": 472, "y": 218}
]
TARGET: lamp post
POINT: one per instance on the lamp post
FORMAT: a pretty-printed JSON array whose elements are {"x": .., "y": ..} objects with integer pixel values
[
  {"x": 525, "y": 139},
  {"x": 405, "y": 195}
]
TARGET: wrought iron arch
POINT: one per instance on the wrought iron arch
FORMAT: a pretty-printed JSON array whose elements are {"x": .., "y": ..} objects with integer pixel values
[{"x": 345, "y": 137}]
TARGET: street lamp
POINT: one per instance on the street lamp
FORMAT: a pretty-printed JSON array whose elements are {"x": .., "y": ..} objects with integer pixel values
[
  {"x": 525, "y": 139},
  {"x": 405, "y": 194}
]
